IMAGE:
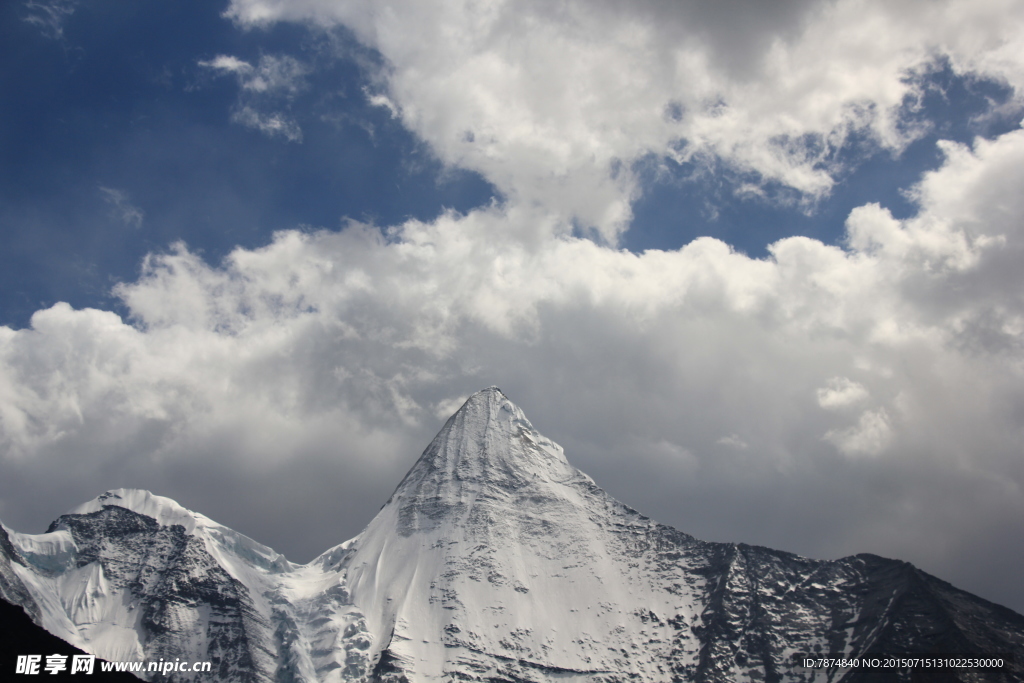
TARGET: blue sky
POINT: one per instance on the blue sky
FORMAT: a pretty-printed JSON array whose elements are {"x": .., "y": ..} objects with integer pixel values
[
  {"x": 754, "y": 265},
  {"x": 119, "y": 101}
]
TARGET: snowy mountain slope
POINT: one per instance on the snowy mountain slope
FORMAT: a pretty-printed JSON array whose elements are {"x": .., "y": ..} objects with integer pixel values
[
  {"x": 494, "y": 560},
  {"x": 12, "y": 588},
  {"x": 19, "y": 635}
]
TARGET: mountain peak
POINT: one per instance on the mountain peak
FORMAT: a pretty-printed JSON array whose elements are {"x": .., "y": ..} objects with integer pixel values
[
  {"x": 490, "y": 441},
  {"x": 487, "y": 450},
  {"x": 492, "y": 397}
]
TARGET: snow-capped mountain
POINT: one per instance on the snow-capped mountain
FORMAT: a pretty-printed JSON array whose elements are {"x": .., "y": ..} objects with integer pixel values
[{"x": 494, "y": 560}]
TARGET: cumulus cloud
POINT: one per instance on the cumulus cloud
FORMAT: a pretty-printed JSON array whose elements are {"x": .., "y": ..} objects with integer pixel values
[
  {"x": 870, "y": 436},
  {"x": 522, "y": 92},
  {"x": 870, "y": 392},
  {"x": 359, "y": 341},
  {"x": 841, "y": 392}
]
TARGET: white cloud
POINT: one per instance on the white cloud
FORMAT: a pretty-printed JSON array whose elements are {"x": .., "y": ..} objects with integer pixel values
[
  {"x": 352, "y": 340},
  {"x": 446, "y": 408},
  {"x": 229, "y": 64},
  {"x": 871, "y": 436},
  {"x": 279, "y": 75},
  {"x": 270, "y": 123},
  {"x": 331, "y": 355},
  {"x": 379, "y": 100},
  {"x": 272, "y": 82},
  {"x": 841, "y": 392},
  {"x": 522, "y": 92}
]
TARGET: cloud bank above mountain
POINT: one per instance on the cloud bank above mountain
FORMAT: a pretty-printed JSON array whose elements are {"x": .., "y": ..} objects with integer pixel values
[
  {"x": 556, "y": 103},
  {"x": 865, "y": 396}
]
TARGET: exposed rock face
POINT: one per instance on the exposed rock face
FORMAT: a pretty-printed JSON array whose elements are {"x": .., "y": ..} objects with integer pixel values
[
  {"x": 12, "y": 589},
  {"x": 494, "y": 560},
  {"x": 174, "y": 589}
]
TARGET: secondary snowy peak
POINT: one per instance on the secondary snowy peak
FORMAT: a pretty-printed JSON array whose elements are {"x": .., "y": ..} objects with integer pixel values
[
  {"x": 165, "y": 511},
  {"x": 134, "y": 576},
  {"x": 232, "y": 549}
]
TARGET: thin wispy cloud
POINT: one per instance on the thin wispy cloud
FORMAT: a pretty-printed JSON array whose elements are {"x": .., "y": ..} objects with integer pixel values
[
  {"x": 273, "y": 74},
  {"x": 122, "y": 208},
  {"x": 269, "y": 123},
  {"x": 734, "y": 441},
  {"x": 264, "y": 87},
  {"x": 49, "y": 16}
]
